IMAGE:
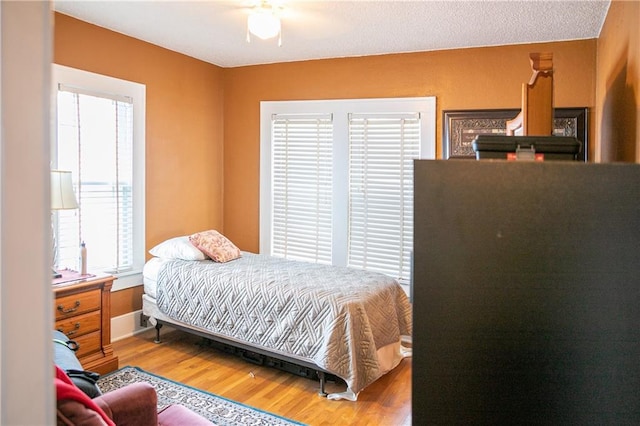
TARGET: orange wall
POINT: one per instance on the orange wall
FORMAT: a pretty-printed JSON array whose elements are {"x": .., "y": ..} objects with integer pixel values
[
  {"x": 189, "y": 156},
  {"x": 478, "y": 78},
  {"x": 184, "y": 131},
  {"x": 202, "y": 144},
  {"x": 618, "y": 84}
]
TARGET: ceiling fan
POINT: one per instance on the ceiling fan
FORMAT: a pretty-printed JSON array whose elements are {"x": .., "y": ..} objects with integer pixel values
[
  {"x": 264, "y": 20},
  {"x": 307, "y": 19}
]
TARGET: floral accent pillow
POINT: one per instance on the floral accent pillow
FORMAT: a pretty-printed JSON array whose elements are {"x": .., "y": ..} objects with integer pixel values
[{"x": 215, "y": 245}]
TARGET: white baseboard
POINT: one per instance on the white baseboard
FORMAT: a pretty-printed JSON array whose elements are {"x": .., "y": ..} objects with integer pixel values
[{"x": 126, "y": 326}]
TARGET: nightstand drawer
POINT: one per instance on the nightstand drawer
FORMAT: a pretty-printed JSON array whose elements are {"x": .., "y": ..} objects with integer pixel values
[
  {"x": 82, "y": 313},
  {"x": 88, "y": 344},
  {"x": 79, "y": 324},
  {"x": 75, "y": 304}
]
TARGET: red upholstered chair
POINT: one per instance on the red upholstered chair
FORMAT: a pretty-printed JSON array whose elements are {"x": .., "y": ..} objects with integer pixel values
[{"x": 132, "y": 405}]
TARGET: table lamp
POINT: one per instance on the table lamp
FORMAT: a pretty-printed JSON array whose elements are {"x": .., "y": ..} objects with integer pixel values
[{"x": 62, "y": 198}]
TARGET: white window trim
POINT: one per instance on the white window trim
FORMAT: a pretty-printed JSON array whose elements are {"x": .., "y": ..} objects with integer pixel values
[
  {"x": 110, "y": 85},
  {"x": 340, "y": 108}
]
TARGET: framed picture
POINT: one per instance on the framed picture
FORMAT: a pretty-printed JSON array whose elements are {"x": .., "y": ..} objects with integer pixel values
[{"x": 460, "y": 127}]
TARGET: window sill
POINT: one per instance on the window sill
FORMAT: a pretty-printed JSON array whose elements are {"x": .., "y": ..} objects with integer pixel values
[{"x": 127, "y": 280}]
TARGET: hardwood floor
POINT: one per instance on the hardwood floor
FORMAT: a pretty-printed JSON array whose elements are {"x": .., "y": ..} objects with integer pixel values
[{"x": 183, "y": 358}]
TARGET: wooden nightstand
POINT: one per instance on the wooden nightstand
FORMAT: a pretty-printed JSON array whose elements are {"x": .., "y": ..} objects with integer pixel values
[{"x": 83, "y": 312}]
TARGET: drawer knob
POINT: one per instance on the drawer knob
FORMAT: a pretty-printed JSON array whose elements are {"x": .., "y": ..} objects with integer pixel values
[{"x": 68, "y": 311}]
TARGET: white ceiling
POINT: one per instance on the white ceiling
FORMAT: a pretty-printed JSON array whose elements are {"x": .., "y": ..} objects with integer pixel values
[{"x": 216, "y": 32}]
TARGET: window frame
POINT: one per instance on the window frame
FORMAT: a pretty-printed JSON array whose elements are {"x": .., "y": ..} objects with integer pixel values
[
  {"x": 340, "y": 109},
  {"x": 111, "y": 86}
]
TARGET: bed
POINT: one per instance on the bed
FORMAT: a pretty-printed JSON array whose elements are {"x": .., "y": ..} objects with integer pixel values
[{"x": 346, "y": 322}]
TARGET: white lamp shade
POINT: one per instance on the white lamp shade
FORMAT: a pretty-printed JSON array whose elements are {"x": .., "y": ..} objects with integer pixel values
[
  {"x": 264, "y": 24},
  {"x": 62, "y": 195}
]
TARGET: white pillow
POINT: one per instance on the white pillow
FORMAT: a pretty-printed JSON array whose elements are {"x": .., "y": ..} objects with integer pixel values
[{"x": 177, "y": 248}]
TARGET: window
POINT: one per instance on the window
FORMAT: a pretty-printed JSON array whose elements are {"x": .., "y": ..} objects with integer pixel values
[
  {"x": 337, "y": 180},
  {"x": 100, "y": 139},
  {"x": 381, "y": 153},
  {"x": 302, "y": 187}
]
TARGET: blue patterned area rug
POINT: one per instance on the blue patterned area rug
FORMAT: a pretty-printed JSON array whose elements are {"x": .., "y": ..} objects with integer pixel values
[{"x": 219, "y": 410}]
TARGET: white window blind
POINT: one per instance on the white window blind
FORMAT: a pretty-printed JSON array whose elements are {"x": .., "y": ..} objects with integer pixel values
[
  {"x": 382, "y": 148},
  {"x": 341, "y": 190},
  {"x": 302, "y": 187},
  {"x": 95, "y": 142}
]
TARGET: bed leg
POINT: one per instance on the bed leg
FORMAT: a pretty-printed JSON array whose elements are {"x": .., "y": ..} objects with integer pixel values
[
  {"x": 322, "y": 383},
  {"x": 158, "y": 327}
]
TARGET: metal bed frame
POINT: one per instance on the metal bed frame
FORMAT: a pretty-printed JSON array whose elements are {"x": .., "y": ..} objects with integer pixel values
[{"x": 255, "y": 355}]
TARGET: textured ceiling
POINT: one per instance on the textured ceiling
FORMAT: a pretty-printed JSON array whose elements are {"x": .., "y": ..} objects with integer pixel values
[{"x": 216, "y": 32}]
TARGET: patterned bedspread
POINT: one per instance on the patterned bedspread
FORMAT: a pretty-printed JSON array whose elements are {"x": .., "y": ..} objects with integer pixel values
[{"x": 334, "y": 317}]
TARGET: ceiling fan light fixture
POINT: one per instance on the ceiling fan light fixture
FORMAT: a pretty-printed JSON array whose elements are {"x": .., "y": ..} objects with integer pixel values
[{"x": 264, "y": 23}]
